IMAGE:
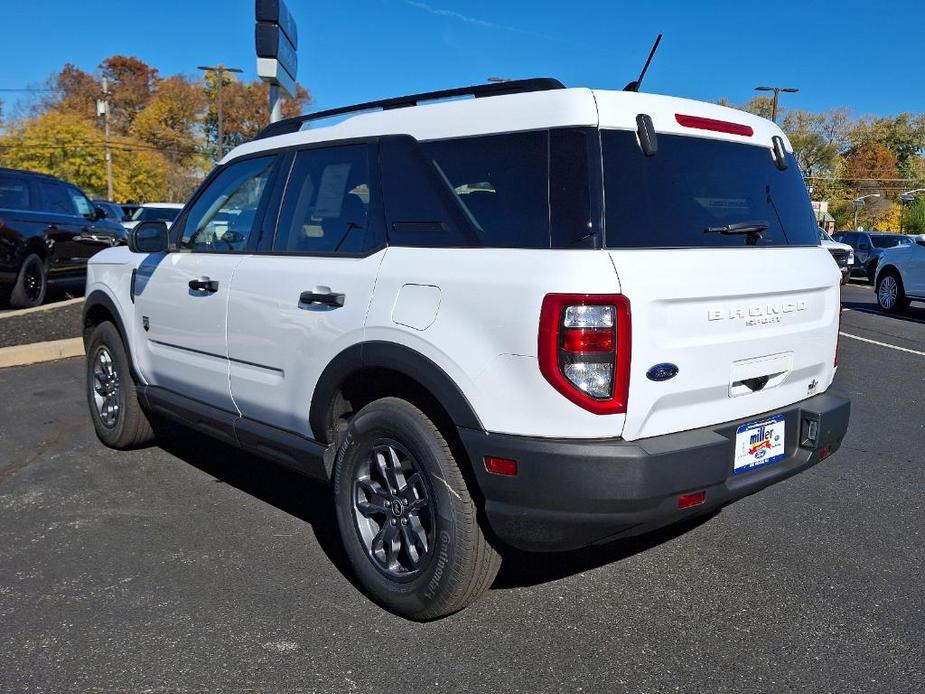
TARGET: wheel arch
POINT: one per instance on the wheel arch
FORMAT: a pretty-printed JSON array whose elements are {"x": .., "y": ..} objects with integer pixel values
[
  {"x": 98, "y": 308},
  {"x": 371, "y": 369}
]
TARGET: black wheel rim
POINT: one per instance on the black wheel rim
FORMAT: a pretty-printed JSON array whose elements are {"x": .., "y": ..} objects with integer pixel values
[
  {"x": 393, "y": 510},
  {"x": 106, "y": 388},
  {"x": 33, "y": 280}
]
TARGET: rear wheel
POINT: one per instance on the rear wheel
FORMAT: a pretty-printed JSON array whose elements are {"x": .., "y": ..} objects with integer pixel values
[
  {"x": 31, "y": 283},
  {"x": 111, "y": 394},
  {"x": 406, "y": 518},
  {"x": 891, "y": 296}
]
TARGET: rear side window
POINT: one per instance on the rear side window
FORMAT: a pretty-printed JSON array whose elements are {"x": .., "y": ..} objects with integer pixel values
[
  {"x": 225, "y": 215},
  {"x": 56, "y": 198},
  {"x": 14, "y": 193},
  {"x": 326, "y": 208},
  {"x": 514, "y": 190},
  {"x": 693, "y": 187},
  {"x": 889, "y": 241}
]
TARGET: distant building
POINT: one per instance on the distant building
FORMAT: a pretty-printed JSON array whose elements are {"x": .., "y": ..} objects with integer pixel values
[{"x": 823, "y": 218}]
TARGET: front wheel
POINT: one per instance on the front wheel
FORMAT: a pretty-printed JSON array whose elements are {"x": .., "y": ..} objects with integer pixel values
[
  {"x": 407, "y": 521},
  {"x": 117, "y": 416},
  {"x": 891, "y": 296}
]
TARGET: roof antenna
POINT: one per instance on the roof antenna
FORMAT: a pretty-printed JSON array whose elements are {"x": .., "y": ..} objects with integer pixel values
[{"x": 634, "y": 85}]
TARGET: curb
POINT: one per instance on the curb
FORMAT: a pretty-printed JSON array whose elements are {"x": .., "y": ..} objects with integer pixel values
[
  {"x": 44, "y": 307},
  {"x": 21, "y": 355}
]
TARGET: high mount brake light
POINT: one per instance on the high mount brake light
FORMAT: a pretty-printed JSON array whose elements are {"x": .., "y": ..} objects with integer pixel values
[
  {"x": 584, "y": 349},
  {"x": 720, "y": 126}
]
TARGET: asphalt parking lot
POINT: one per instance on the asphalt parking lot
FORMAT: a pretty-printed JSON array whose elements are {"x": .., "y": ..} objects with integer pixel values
[{"x": 193, "y": 567}]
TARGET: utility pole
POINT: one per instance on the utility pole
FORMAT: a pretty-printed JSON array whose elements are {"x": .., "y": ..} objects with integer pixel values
[
  {"x": 774, "y": 101},
  {"x": 102, "y": 109},
  {"x": 221, "y": 70}
]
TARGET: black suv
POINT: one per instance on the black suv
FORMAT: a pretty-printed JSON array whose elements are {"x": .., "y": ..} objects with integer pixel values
[
  {"x": 868, "y": 245},
  {"x": 48, "y": 231}
]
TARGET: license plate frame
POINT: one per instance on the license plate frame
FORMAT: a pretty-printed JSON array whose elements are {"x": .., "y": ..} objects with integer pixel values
[{"x": 759, "y": 443}]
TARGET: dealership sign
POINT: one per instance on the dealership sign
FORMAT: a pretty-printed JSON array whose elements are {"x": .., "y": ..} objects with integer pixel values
[{"x": 277, "y": 42}]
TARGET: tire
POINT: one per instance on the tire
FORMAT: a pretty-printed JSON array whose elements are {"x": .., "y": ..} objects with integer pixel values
[
  {"x": 891, "y": 297},
  {"x": 455, "y": 563},
  {"x": 117, "y": 415},
  {"x": 31, "y": 283}
]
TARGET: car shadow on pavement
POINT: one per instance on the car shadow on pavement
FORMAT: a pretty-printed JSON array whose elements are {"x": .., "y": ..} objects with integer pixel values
[
  {"x": 524, "y": 569},
  {"x": 913, "y": 314},
  {"x": 312, "y": 502},
  {"x": 288, "y": 490}
]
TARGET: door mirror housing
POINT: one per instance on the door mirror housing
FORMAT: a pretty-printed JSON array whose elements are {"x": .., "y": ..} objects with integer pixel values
[
  {"x": 149, "y": 237},
  {"x": 98, "y": 214}
]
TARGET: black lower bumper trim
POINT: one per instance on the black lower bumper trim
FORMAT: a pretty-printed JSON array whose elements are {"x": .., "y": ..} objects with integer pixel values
[{"x": 571, "y": 493}]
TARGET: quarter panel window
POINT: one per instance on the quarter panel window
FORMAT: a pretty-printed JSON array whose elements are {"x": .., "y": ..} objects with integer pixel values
[
  {"x": 326, "y": 207},
  {"x": 225, "y": 215},
  {"x": 14, "y": 193}
]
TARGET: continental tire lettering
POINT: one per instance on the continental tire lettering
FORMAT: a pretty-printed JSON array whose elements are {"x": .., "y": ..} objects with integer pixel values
[{"x": 442, "y": 559}]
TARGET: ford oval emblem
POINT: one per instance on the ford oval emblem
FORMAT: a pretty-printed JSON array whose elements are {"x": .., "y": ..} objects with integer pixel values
[{"x": 662, "y": 372}]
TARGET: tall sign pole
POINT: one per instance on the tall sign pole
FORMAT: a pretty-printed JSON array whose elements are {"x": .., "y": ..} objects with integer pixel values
[{"x": 277, "y": 41}]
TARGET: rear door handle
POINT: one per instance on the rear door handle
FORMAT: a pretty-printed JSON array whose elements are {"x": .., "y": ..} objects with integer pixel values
[
  {"x": 204, "y": 284},
  {"x": 332, "y": 299}
]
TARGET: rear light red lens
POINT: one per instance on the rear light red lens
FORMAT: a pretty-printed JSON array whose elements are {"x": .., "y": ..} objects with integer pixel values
[
  {"x": 824, "y": 453},
  {"x": 584, "y": 349},
  {"x": 720, "y": 126},
  {"x": 693, "y": 499},
  {"x": 500, "y": 466},
  {"x": 584, "y": 340}
]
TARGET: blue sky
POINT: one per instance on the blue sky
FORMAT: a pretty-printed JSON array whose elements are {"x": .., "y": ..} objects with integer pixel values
[{"x": 838, "y": 54}]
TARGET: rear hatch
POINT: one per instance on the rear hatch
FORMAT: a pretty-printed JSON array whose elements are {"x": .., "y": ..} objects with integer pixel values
[{"x": 717, "y": 250}]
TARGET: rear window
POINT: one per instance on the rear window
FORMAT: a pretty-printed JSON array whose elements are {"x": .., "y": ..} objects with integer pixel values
[
  {"x": 693, "y": 187},
  {"x": 889, "y": 241},
  {"x": 14, "y": 193}
]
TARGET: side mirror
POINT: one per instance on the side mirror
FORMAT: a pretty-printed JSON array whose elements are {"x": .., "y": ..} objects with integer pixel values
[
  {"x": 149, "y": 237},
  {"x": 98, "y": 214}
]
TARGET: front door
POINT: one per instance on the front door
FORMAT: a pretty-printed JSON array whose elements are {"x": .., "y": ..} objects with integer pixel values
[{"x": 181, "y": 297}]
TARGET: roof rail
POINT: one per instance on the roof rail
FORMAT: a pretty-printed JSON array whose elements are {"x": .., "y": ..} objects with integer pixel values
[{"x": 291, "y": 125}]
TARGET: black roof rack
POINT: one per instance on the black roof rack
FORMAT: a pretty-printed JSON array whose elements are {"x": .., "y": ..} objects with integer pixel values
[{"x": 291, "y": 125}]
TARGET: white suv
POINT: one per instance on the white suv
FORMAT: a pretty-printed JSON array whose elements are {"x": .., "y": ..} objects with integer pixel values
[{"x": 541, "y": 318}]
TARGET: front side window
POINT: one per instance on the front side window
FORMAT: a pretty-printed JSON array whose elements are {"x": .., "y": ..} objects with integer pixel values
[
  {"x": 694, "y": 191},
  {"x": 225, "y": 215},
  {"x": 326, "y": 208},
  {"x": 14, "y": 193},
  {"x": 80, "y": 202}
]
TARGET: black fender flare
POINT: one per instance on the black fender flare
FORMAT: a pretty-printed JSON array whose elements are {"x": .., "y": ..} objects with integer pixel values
[
  {"x": 99, "y": 298},
  {"x": 394, "y": 357}
]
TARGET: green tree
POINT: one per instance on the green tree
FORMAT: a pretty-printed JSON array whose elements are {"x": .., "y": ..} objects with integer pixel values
[{"x": 914, "y": 217}]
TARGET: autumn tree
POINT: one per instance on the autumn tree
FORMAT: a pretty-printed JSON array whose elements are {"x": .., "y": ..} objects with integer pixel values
[
  {"x": 72, "y": 91},
  {"x": 132, "y": 83},
  {"x": 70, "y": 147}
]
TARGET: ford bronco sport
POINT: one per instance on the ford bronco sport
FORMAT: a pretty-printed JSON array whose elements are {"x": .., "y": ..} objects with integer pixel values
[{"x": 541, "y": 318}]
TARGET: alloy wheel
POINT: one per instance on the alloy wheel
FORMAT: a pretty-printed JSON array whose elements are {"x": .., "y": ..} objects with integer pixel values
[
  {"x": 887, "y": 292},
  {"x": 393, "y": 510},
  {"x": 106, "y": 393},
  {"x": 33, "y": 280}
]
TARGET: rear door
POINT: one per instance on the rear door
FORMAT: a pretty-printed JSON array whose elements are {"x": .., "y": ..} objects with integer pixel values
[
  {"x": 63, "y": 227},
  {"x": 181, "y": 298},
  {"x": 748, "y": 314},
  {"x": 303, "y": 297}
]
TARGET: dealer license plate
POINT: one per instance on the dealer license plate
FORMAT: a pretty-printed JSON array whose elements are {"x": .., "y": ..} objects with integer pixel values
[{"x": 759, "y": 443}]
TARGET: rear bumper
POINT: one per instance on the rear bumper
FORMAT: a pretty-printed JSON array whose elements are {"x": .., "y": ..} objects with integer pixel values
[{"x": 572, "y": 493}]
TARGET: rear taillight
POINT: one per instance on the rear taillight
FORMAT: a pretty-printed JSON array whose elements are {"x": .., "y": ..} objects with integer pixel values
[{"x": 584, "y": 349}]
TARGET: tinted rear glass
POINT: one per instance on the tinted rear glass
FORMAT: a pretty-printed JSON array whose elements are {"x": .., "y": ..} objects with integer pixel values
[
  {"x": 695, "y": 184},
  {"x": 14, "y": 193},
  {"x": 888, "y": 241},
  {"x": 155, "y": 214}
]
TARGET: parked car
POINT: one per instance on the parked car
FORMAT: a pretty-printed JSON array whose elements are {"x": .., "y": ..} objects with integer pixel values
[
  {"x": 901, "y": 275},
  {"x": 842, "y": 254},
  {"x": 433, "y": 308},
  {"x": 48, "y": 231},
  {"x": 128, "y": 209},
  {"x": 113, "y": 211},
  {"x": 154, "y": 212},
  {"x": 868, "y": 245}
]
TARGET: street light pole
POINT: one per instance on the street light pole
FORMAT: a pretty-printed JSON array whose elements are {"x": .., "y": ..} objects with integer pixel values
[
  {"x": 905, "y": 199},
  {"x": 775, "y": 99},
  {"x": 859, "y": 203},
  {"x": 221, "y": 70}
]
